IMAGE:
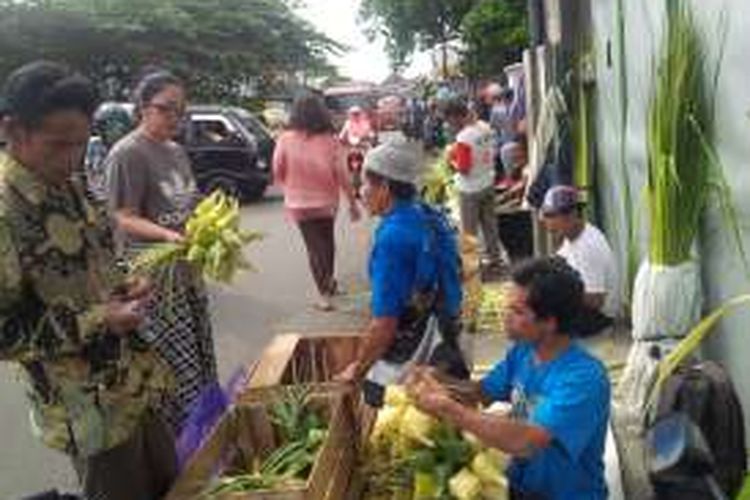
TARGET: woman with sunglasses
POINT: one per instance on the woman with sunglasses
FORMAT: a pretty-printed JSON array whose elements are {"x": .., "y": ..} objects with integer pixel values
[{"x": 152, "y": 193}]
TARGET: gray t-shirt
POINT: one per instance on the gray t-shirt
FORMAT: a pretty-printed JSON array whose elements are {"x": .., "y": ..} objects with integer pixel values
[{"x": 154, "y": 179}]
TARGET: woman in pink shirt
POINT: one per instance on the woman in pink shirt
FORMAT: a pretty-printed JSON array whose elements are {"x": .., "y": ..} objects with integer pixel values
[{"x": 310, "y": 167}]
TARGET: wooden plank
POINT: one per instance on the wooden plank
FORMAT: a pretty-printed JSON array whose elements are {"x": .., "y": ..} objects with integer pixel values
[
  {"x": 343, "y": 472},
  {"x": 274, "y": 361},
  {"x": 301, "y": 359}
]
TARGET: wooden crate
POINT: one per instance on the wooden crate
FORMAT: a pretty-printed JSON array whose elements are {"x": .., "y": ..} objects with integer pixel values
[
  {"x": 245, "y": 434},
  {"x": 293, "y": 359},
  {"x": 314, "y": 360}
]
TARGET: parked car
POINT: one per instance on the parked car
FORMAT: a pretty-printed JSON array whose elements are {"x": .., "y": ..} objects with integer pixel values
[{"x": 229, "y": 148}]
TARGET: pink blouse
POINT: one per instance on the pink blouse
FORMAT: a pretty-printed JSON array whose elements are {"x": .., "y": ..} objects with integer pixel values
[{"x": 311, "y": 171}]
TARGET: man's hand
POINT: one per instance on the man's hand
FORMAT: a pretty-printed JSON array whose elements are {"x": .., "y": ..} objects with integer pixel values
[
  {"x": 138, "y": 288},
  {"x": 426, "y": 391},
  {"x": 419, "y": 374},
  {"x": 435, "y": 403},
  {"x": 428, "y": 394},
  {"x": 349, "y": 375},
  {"x": 173, "y": 236},
  {"x": 122, "y": 317}
]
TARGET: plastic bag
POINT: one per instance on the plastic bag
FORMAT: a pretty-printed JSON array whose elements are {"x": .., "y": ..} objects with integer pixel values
[
  {"x": 208, "y": 408},
  {"x": 667, "y": 300},
  {"x": 640, "y": 374}
]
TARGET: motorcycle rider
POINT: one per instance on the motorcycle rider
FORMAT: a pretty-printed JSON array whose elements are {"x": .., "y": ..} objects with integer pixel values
[
  {"x": 357, "y": 128},
  {"x": 358, "y": 136}
]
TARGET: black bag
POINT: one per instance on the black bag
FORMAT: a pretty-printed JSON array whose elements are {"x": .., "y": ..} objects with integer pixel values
[
  {"x": 591, "y": 322},
  {"x": 705, "y": 393},
  {"x": 52, "y": 495},
  {"x": 447, "y": 356}
]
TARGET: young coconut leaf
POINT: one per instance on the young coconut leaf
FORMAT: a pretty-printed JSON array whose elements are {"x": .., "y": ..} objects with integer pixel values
[
  {"x": 744, "y": 493},
  {"x": 684, "y": 171},
  {"x": 688, "y": 345}
]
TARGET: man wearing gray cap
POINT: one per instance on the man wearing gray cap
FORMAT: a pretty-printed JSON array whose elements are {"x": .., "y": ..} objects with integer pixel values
[
  {"x": 414, "y": 277},
  {"x": 584, "y": 247}
]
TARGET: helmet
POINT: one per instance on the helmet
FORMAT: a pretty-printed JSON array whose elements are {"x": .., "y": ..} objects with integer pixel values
[
  {"x": 493, "y": 90},
  {"x": 112, "y": 122}
]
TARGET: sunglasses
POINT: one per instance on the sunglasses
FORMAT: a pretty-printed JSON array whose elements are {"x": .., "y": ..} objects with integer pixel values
[{"x": 169, "y": 108}]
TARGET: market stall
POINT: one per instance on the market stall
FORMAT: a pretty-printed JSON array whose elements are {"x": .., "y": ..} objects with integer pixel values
[{"x": 360, "y": 453}]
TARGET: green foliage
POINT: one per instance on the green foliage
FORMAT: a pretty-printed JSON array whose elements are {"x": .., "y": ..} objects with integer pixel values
[
  {"x": 744, "y": 493},
  {"x": 684, "y": 174},
  {"x": 219, "y": 46},
  {"x": 408, "y": 25},
  {"x": 687, "y": 346},
  {"x": 495, "y": 33}
]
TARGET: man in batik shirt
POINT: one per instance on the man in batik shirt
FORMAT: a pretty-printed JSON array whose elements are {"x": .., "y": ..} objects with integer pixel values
[{"x": 68, "y": 316}]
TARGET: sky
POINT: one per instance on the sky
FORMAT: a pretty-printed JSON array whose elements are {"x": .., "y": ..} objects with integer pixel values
[{"x": 365, "y": 61}]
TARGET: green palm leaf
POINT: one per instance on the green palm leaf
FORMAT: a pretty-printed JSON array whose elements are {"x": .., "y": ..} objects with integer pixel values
[{"x": 689, "y": 344}]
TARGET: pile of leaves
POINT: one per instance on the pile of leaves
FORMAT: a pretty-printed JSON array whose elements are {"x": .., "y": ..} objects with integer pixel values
[{"x": 301, "y": 431}]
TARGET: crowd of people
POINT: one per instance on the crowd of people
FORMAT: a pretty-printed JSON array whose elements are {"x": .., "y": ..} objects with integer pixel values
[{"x": 115, "y": 362}]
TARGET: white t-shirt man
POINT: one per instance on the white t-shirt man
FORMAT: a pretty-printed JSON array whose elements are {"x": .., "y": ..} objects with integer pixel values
[
  {"x": 473, "y": 157},
  {"x": 591, "y": 255}
]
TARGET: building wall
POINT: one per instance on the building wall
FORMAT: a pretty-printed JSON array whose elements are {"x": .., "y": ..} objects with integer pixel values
[{"x": 721, "y": 266}]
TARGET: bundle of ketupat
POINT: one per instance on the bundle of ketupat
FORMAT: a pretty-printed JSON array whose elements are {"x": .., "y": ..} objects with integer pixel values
[
  {"x": 412, "y": 456},
  {"x": 492, "y": 309},
  {"x": 472, "y": 280},
  {"x": 213, "y": 242},
  {"x": 438, "y": 181}
]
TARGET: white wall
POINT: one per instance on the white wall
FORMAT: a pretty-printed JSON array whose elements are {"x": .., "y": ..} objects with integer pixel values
[{"x": 722, "y": 268}]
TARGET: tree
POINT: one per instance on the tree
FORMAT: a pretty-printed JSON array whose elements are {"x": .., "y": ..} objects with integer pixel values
[
  {"x": 411, "y": 24},
  {"x": 495, "y": 33},
  {"x": 218, "y": 46}
]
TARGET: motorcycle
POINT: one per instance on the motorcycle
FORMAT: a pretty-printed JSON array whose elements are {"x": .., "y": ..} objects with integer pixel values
[{"x": 355, "y": 160}]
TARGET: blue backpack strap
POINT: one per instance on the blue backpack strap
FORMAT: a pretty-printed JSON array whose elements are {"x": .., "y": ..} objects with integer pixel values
[{"x": 444, "y": 247}]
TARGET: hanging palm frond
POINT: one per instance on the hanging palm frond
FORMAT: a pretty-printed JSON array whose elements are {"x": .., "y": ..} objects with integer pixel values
[{"x": 684, "y": 173}]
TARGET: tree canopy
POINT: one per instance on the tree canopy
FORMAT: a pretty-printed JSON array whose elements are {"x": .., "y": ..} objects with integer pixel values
[
  {"x": 493, "y": 32},
  {"x": 408, "y": 25},
  {"x": 221, "y": 47}
]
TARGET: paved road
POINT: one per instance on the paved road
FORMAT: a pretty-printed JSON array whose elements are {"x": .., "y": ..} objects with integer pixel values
[{"x": 275, "y": 299}]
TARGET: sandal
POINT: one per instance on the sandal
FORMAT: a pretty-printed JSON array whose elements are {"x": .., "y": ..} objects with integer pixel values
[{"x": 324, "y": 305}]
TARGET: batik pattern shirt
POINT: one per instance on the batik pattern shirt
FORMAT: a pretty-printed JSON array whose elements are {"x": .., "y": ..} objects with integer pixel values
[{"x": 87, "y": 387}]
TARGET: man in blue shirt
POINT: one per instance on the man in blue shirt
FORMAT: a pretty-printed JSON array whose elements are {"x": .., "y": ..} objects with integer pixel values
[
  {"x": 560, "y": 394},
  {"x": 414, "y": 276}
]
